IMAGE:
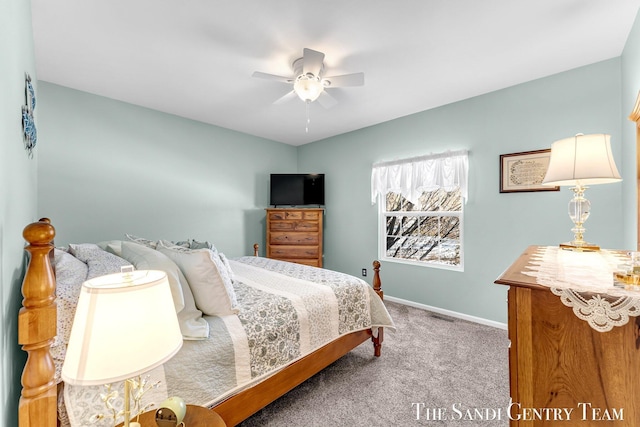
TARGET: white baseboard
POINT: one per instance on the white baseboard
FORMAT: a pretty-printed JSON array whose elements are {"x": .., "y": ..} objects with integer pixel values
[{"x": 449, "y": 313}]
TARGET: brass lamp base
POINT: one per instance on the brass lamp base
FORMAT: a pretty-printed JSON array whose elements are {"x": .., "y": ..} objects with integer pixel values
[{"x": 581, "y": 247}]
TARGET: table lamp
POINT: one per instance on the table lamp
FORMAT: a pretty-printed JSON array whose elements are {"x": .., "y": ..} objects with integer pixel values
[
  {"x": 580, "y": 161},
  {"x": 125, "y": 325}
]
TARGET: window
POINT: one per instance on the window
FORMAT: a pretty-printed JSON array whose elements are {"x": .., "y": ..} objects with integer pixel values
[
  {"x": 421, "y": 209},
  {"x": 428, "y": 232}
]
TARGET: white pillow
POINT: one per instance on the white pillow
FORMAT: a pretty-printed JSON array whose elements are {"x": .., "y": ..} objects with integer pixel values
[
  {"x": 207, "y": 277},
  {"x": 145, "y": 258},
  {"x": 192, "y": 325},
  {"x": 141, "y": 240}
]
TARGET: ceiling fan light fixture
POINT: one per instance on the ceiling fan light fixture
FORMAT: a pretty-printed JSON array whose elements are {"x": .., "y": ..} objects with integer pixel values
[{"x": 308, "y": 87}]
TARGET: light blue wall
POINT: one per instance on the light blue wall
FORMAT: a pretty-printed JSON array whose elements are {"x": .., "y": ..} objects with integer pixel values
[
  {"x": 109, "y": 168},
  {"x": 17, "y": 191},
  {"x": 630, "y": 91},
  {"x": 497, "y": 227}
]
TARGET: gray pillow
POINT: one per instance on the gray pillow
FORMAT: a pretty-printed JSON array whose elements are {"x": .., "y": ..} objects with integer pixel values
[
  {"x": 70, "y": 275},
  {"x": 100, "y": 262}
]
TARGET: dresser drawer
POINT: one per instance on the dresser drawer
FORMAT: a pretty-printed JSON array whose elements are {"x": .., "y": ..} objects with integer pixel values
[
  {"x": 313, "y": 215},
  {"x": 284, "y": 252},
  {"x": 276, "y": 216},
  {"x": 294, "y": 226},
  {"x": 284, "y": 238}
]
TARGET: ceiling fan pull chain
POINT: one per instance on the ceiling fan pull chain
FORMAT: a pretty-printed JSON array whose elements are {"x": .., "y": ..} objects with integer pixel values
[{"x": 308, "y": 120}]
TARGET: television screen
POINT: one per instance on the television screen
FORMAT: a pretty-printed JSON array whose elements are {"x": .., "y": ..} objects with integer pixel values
[{"x": 297, "y": 189}]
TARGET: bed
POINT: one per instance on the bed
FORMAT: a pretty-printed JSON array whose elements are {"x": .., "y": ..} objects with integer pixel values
[{"x": 254, "y": 385}]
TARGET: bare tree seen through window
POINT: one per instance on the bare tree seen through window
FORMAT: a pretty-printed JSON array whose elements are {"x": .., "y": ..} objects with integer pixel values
[{"x": 428, "y": 231}]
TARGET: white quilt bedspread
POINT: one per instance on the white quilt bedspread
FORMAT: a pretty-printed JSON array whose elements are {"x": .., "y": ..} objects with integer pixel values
[{"x": 286, "y": 312}]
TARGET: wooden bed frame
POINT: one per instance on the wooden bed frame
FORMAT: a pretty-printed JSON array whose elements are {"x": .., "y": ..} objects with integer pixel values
[{"x": 37, "y": 329}]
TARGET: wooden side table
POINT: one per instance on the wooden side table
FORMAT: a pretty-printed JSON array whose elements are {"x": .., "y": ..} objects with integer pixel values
[
  {"x": 196, "y": 416},
  {"x": 557, "y": 361}
]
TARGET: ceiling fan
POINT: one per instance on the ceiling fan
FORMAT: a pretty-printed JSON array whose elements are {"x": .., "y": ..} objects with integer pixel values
[{"x": 309, "y": 82}]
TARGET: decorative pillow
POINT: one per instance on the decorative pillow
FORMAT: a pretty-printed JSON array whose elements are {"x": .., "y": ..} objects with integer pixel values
[
  {"x": 145, "y": 258},
  {"x": 141, "y": 240},
  {"x": 171, "y": 244},
  {"x": 226, "y": 273},
  {"x": 225, "y": 262},
  {"x": 113, "y": 246},
  {"x": 195, "y": 244},
  {"x": 183, "y": 243},
  {"x": 100, "y": 262},
  {"x": 192, "y": 325},
  {"x": 207, "y": 277},
  {"x": 70, "y": 275}
]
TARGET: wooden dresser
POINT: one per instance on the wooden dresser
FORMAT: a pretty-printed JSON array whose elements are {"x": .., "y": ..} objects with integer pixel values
[
  {"x": 558, "y": 361},
  {"x": 295, "y": 235}
]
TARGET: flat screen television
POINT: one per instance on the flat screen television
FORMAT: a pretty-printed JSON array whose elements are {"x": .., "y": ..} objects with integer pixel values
[{"x": 297, "y": 189}]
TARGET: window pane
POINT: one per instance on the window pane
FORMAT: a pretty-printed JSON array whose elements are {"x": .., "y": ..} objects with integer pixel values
[
  {"x": 450, "y": 227},
  {"x": 426, "y": 248},
  {"x": 393, "y": 226},
  {"x": 450, "y": 252},
  {"x": 451, "y": 201},
  {"x": 421, "y": 235},
  {"x": 431, "y": 226},
  {"x": 430, "y": 200},
  {"x": 408, "y": 248},
  {"x": 410, "y": 225},
  {"x": 394, "y": 245},
  {"x": 433, "y": 255},
  {"x": 394, "y": 202}
]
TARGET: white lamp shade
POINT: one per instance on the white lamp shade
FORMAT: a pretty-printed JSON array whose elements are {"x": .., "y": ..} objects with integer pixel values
[
  {"x": 125, "y": 325},
  {"x": 582, "y": 159}
]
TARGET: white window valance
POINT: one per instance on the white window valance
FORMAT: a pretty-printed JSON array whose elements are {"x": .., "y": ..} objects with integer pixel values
[{"x": 411, "y": 177}]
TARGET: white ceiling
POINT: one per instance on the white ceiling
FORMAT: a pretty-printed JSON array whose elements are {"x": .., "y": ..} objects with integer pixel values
[{"x": 195, "y": 58}]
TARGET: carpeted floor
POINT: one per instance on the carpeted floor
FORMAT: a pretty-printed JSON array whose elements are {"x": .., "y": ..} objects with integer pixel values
[{"x": 443, "y": 366}]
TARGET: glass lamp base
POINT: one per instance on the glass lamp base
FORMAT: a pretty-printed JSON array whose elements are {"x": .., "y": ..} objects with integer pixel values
[
  {"x": 579, "y": 211},
  {"x": 580, "y": 247}
]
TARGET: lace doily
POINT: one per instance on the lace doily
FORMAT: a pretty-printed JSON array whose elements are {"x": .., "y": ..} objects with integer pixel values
[
  {"x": 601, "y": 313},
  {"x": 584, "y": 282}
]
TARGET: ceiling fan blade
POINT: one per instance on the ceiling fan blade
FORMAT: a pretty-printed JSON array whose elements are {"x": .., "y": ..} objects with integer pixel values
[
  {"x": 285, "y": 98},
  {"x": 355, "y": 79},
  {"x": 326, "y": 100},
  {"x": 267, "y": 76},
  {"x": 312, "y": 61}
]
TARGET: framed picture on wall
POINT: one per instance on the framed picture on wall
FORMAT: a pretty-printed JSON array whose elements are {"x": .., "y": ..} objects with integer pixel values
[{"x": 520, "y": 172}]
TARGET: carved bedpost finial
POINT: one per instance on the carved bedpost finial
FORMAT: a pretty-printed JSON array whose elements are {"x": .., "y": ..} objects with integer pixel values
[
  {"x": 377, "y": 284},
  {"x": 255, "y": 249},
  {"x": 39, "y": 233}
]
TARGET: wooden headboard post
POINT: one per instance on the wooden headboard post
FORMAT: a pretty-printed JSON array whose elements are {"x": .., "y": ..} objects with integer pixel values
[
  {"x": 37, "y": 321},
  {"x": 377, "y": 287},
  {"x": 377, "y": 283}
]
